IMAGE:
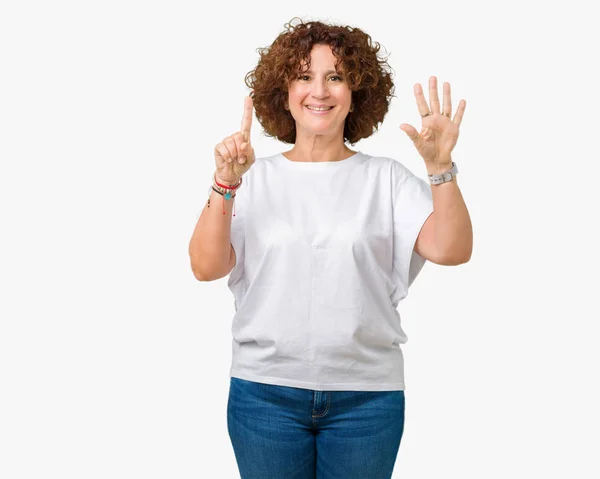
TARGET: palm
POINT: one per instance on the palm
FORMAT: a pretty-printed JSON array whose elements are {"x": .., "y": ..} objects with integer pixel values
[
  {"x": 439, "y": 133},
  {"x": 438, "y": 137}
]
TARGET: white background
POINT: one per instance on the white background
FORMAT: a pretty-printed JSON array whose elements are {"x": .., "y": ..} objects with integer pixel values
[{"x": 114, "y": 360}]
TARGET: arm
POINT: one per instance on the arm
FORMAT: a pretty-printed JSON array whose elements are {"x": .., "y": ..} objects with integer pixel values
[
  {"x": 211, "y": 254},
  {"x": 447, "y": 235},
  {"x": 446, "y": 238}
]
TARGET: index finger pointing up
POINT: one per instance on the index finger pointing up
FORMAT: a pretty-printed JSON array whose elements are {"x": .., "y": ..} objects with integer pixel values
[{"x": 247, "y": 119}]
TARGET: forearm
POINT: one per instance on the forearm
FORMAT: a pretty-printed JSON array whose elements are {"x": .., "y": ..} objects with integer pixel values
[
  {"x": 453, "y": 229},
  {"x": 210, "y": 245}
]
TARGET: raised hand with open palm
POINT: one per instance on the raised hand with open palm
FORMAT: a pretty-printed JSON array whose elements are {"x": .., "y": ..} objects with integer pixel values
[{"x": 439, "y": 131}]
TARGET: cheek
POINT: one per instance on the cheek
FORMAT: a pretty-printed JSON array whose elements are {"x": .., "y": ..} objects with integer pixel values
[
  {"x": 297, "y": 94},
  {"x": 347, "y": 95}
]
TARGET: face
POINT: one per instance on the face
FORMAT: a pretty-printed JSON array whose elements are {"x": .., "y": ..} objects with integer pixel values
[{"x": 320, "y": 87}]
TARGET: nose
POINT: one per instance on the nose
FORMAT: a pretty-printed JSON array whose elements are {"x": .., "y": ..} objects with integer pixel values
[{"x": 320, "y": 89}]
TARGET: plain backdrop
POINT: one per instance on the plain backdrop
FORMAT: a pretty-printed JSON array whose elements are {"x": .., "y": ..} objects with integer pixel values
[{"x": 114, "y": 359}]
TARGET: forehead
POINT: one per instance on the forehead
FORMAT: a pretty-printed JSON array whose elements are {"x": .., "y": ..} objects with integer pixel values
[{"x": 321, "y": 57}]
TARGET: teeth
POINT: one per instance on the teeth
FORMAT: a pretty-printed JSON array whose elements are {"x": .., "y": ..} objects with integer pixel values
[{"x": 319, "y": 109}]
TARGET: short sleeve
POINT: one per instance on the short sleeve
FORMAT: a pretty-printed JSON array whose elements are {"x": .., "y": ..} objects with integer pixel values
[{"x": 412, "y": 205}]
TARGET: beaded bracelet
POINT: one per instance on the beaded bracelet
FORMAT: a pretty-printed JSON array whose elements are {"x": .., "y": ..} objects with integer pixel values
[
  {"x": 226, "y": 188},
  {"x": 221, "y": 193},
  {"x": 224, "y": 191}
]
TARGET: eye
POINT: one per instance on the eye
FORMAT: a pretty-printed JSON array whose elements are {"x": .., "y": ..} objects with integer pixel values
[{"x": 307, "y": 77}]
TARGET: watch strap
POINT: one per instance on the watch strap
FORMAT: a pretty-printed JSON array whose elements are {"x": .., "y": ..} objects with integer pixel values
[{"x": 444, "y": 177}]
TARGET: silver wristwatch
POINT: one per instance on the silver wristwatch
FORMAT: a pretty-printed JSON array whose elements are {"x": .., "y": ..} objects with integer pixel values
[{"x": 445, "y": 176}]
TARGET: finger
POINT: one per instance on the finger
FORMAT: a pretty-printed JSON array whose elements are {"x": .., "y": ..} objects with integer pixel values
[
  {"x": 223, "y": 152},
  {"x": 434, "y": 100},
  {"x": 411, "y": 132},
  {"x": 447, "y": 100},
  {"x": 247, "y": 118},
  {"x": 246, "y": 153},
  {"x": 238, "y": 138},
  {"x": 242, "y": 152},
  {"x": 230, "y": 144},
  {"x": 460, "y": 112},
  {"x": 249, "y": 154},
  {"x": 421, "y": 103},
  {"x": 240, "y": 145}
]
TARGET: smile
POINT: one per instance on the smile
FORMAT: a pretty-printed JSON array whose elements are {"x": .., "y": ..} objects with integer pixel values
[{"x": 318, "y": 110}]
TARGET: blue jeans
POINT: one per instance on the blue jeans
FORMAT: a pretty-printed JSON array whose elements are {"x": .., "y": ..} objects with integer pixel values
[{"x": 280, "y": 432}]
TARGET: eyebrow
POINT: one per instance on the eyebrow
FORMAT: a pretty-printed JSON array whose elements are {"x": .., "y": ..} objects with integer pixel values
[{"x": 326, "y": 73}]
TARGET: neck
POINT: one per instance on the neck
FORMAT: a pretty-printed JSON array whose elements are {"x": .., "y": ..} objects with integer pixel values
[{"x": 317, "y": 151}]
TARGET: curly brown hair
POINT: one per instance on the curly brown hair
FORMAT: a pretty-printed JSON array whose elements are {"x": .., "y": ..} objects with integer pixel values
[{"x": 368, "y": 77}]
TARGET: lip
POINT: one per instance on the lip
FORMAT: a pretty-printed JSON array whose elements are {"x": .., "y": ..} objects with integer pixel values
[{"x": 319, "y": 113}]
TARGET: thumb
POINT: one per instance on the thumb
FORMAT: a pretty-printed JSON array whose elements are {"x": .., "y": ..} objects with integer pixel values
[
  {"x": 247, "y": 150},
  {"x": 410, "y": 131}
]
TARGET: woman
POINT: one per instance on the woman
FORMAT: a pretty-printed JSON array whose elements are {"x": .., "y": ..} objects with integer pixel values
[{"x": 322, "y": 243}]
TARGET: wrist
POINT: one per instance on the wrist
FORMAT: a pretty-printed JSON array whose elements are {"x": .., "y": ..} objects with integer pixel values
[
  {"x": 444, "y": 176},
  {"x": 228, "y": 182},
  {"x": 439, "y": 169}
]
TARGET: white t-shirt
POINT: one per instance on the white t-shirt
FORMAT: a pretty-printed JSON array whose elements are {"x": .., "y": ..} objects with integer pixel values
[{"x": 324, "y": 254}]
